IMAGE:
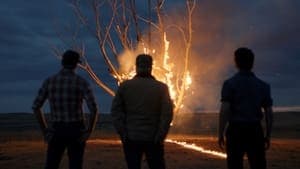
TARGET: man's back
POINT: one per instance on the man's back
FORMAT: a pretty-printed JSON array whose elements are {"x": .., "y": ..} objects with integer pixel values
[
  {"x": 142, "y": 95},
  {"x": 142, "y": 111},
  {"x": 65, "y": 92},
  {"x": 247, "y": 95},
  {"x": 144, "y": 101},
  {"x": 243, "y": 97}
]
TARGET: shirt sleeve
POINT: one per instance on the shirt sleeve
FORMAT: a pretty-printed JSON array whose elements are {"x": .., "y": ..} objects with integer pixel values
[
  {"x": 226, "y": 92},
  {"x": 42, "y": 96},
  {"x": 90, "y": 98}
]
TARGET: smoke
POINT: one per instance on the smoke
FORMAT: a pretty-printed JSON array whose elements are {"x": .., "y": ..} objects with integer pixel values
[
  {"x": 211, "y": 55},
  {"x": 269, "y": 28}
]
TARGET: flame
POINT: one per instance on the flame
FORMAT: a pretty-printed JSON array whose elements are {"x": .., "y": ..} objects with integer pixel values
[
  {"x": 188, "y": 80},
  {"x": 164, "y": 72},
  {"x": 168, "y": 67},
  {"x": 197, "y": 148}
]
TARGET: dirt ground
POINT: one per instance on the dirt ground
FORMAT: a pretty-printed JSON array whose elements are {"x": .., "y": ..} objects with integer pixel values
[
  {"x": 107, "y": 154},
  {"x": 21, "y": 147}
]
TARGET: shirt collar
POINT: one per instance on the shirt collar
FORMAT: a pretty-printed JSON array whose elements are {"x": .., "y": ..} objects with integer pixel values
[
  {"x": 246, "y": 73},
  {"x": 67, "y": 71}
]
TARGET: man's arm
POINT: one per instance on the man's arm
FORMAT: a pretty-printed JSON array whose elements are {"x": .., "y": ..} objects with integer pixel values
[
  {"x": 223, "y": 120},
  {"x": 92, "y": 125},
  {"x": 46, "y": 131},
  {"x": 93, "y": 121},
  {"x": 267, "y": 107},
  {"x": 166, "y": 116},
  {"x": 38, "y": 104},
  {"x": 118, "y": 114},
  {"x": 41, "y": 119},
  {"x": 269, "y": 124},
  {"x": 93, "y": 108}
]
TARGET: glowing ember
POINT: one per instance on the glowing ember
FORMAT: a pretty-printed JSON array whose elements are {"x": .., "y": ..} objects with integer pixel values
[{"x": 197, "y": 148}]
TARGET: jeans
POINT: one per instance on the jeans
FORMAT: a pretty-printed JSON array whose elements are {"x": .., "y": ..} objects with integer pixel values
[
  {"x": 245, "y": 139},
  {"x": 134, "y": 151},
  {"x": 66, "y": 136}
]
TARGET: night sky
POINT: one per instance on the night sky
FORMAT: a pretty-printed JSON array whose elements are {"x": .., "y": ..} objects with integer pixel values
[{"x": 270, "y": 27}]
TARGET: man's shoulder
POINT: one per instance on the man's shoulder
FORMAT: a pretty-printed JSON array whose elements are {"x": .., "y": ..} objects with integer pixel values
[
  {"x": 237, "y": 78},
  {"x": 262, "y": 82},
  {"x": 230, "y": 80},
  {"x": 161, "y": 83},
  {"x": 50, "y": 78},
  {"x": 141, "y": 80},
  {"x": 126, "y": 82},
  {"x": 81, "y": 80},
  {"x": 80, "y": 77}
]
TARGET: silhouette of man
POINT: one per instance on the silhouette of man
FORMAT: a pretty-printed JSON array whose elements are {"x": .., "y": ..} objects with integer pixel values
[
  {"x": 65, "y": 92},
  {"x": 142, "y": 112},
  {"x": 243, "y": 97}
]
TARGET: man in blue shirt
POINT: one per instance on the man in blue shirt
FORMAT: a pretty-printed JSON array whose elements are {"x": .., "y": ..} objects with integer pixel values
[{"x": 243, "y": 98}]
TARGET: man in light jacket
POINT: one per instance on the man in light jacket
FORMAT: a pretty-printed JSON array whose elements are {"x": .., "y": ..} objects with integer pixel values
[{"x": 142, "y": 111}]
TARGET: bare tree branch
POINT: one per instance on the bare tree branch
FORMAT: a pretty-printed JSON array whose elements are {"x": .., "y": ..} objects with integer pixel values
[
  {"x": 135, "y": 19},
  {"x": 121, "y": 30}
]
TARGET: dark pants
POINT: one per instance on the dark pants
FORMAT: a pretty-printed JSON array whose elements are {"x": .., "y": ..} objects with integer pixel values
[
  {"x": 245, "y": 138},
  {"x": 134, "y": 151},
  {"x": 66, "y": 136}
]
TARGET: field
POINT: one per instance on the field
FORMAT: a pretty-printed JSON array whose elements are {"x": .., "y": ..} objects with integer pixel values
[{"x": 21, "y": 145}]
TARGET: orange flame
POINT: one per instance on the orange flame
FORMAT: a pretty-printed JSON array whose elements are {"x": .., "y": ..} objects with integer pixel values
[
  {"x": 197, "y": 148},
  {"x": 164, "y": 72},
  {"x": 183, "y": 144}
]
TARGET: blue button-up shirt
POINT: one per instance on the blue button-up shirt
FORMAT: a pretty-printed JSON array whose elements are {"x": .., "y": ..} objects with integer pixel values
[{"x": 247, "y": 95}]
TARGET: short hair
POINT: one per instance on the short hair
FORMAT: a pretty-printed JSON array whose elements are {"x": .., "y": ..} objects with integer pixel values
[
  {"x": 143, "y": 60},
  {"x": 70, "y": 59},
  {"x": 244, "y": 58},
  {"x": 143, "y": 65}
]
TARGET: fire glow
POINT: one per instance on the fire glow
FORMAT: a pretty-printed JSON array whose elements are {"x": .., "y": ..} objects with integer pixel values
[
  {"x": 191, "y": 146},
  {"x": 165, "y": 72},
  {"x": 197, "y": 148}
]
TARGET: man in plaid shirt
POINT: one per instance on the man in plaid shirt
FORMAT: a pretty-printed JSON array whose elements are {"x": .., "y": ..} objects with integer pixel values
[{"x": 65, "y": 92}]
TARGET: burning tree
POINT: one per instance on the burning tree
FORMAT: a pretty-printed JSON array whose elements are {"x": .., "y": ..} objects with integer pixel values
[{"x": 121, "y": 37}]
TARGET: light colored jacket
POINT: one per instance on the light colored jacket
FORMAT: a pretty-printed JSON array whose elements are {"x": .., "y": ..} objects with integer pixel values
[{"x": 142, "y": 110}]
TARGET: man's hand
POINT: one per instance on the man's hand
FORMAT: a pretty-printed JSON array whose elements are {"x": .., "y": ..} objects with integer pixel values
[
  {"x": 223, "y": 120},
  {"x": 269, "y": 124},
  {"x": 267, "y": 143},
  {"x": 221, "y": 142},
  {"x": 48, "y": 134},
  {"x": 84, "y": 135},
  {"x": 159, "y": 140}
]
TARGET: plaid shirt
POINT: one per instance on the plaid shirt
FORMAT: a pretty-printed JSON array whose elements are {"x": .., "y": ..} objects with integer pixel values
[{"x": 65, "y": 92}]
